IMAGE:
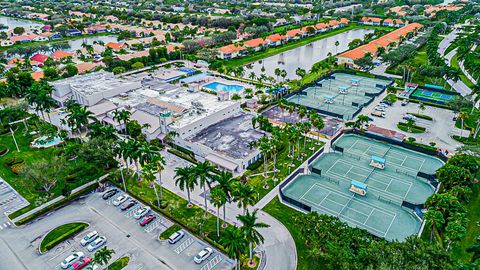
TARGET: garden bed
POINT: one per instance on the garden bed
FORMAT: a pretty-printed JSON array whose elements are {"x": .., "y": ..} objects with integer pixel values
[
  {"x": 119, "y": 264},
  {"x": 413, "y": 129},
  {"x": 60, "y": 234}
]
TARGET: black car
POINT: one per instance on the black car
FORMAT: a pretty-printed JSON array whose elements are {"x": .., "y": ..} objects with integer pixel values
[
  {"x": 386, "y": 102},
  {"x": 128, "y": 205},
  {"x": 109, "y": 194}
]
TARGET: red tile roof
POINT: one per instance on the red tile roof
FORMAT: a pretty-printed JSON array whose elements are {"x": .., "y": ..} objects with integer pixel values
[
  {"x": 37, "y": 76},
  {"x": 344, "y": 20},
  {"x": 231, "y": 48},
  {"x": 255, "y": 42},
  {"x": 370, "y": 19},
  {"x": 84, "y": 67},
  {"x": 41, "y": 58},
  {"x": 333, "y": 23},
  {"x": 115, "y": 45},
  {"x": 60, "y": 55},
  {"x": 23, "y": 38},
  {"x": 275, "y": 37},
  {"x": 294, "y": 32},
  {"x": 321, "y": 26}
]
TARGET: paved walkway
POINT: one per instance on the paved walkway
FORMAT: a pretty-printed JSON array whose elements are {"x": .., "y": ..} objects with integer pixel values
[{"x": 33, "y": 211}]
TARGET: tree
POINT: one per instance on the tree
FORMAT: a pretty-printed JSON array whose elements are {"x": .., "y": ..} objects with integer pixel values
[
  {"x": 337, "y": 43},
  {"x": 249, "y": 229},
  {"x": 421, "y": 107},
  {"x": 450, "y": 175},
  {"x": 203, "y": 172},
  {"x": 122, "y": 116},
  {"x": 103, "y": 255},
  {"x": 185, "y": 179},
  {"x": 244, "y": 195},
  {"x": 434, "y": 219},
  {"x": 300, "y": 72},
  {"x": 18, "y": 30},
  {"x": 138, "y": 65},
  {"x": 118, "y": 70},
  {"x": 462, "y": 116},
  {"x": 218, "y": 198},
  {"x": 71, "y": 70},
  {"x": 226, "y": 182},
  {"x": 475, "y": 249},
  {"x": 235, "y": 244},
  {"x": 149, "y": 176},
  {"x": 45, "y": 174}
]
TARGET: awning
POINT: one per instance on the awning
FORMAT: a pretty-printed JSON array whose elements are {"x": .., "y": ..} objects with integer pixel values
[
  {"x": 222, "y": 162},
  {"x": 358, "y": 184},
  {"x": 378, "y": 159}
]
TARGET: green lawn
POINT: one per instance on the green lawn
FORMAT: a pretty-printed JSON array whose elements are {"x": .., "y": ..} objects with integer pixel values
[
  {"x": 282, "y": 166},
  {"x": 30, "y": 155},
  {"x": 286, "y": 215},
  {"x": 119, "y": 264},
  {"x": 292, "y": 45},
  {"x": 463, "y": 78},
  {"x": 415, "y": 129},
  {"x": 165, "y": 234},
  {"x": 60, "y": 234}
]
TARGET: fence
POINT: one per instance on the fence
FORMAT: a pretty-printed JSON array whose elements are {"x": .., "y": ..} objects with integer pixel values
[
  {"x": 288, "y": 199},
  {"x": 314, "y": 156}
]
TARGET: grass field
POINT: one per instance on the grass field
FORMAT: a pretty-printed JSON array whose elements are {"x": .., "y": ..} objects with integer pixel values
[
  {"x": 463, "y": 78},
  {"x": 30, "y": 155},
  {"x": 60, "y": 234}
]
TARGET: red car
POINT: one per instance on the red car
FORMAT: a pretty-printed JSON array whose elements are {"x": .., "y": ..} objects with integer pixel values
[
  {"x": 146, "y": 220},
  {"x": 80, "y": 263}
]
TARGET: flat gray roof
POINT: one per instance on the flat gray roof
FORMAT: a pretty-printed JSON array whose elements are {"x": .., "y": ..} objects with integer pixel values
[{"x": 230, "y": 137}]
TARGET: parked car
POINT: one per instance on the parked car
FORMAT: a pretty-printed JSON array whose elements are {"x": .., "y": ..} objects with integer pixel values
[
  {"x": 100, "y": 241},
  {"x": 409, "y": 117},
  {"x": 89, "y": 237},
  {"x": 128, "y": 205},
  {"x": 377, "y": 108},
  {"x": 386, "y": 102},
  {"x": 107, "y": 195},
  {"x": 120, "y": 199},
  {"x": 378, "y": 114},
  {"x": 175, "y": 237},
  {"x": 84, "y": 261},
  {"x": 71, "y": 259},
  {"x": 203, "y": 255},
  {"x": 405, "y": 102},
  {"x": 146, "y": 220},
  {"x": 142, "y": 211},
  {"x": 92, "y": 267}
]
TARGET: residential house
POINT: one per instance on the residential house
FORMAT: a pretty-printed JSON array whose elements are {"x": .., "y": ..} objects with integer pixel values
[
  {"x": 86, "y": 67},
  {"x": 309, "y": 30},
  {"x": 344, "y": 21},
  {"x": 295, "y": 34},
  {"x": 37, "y": 76},
  {"x": 38, "y": 59},
  {"x": 334, "y": 24},
  {"x": 6, "y": 42},
  {"x": 59, "y": 55},
  {"x": 256, "y": 43},
  {"x": 73, "y": 32},
  {"x": 321, "y": 27},
  {"x": 275, "y": 40},
  {"x": 96, "y": 29},
  {"x": 370, "y": 21},
  {"x": 230, "y": 51},
  {"x": 394, "y": 22},
  {"x": 115, "y": 46},
  {"x": 23, "y": 38}
]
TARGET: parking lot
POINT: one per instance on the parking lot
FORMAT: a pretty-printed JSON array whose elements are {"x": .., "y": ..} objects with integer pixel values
[
  {"x": 10, "y": 201},
  {"x": 123, "y": 233},
  {"x": 439, "y": 130}
]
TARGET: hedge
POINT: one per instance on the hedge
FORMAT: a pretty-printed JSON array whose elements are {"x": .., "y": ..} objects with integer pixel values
[
  {"x": 60, "y": 234},
  {"x": 53, "y": 206},
  {"x": 119, "y": 264},
  {"x": 165, "y": 234},
  {"x": 423, "y": 116},
  {"x": 415, "y": 129}
]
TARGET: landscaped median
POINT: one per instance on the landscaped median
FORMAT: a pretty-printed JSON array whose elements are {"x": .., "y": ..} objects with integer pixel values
[
  {"x": 119, "y": 264},
  {"x": 165, "y": 234},
  {"x": 410, "y": 128},
  {"x": 60, "y": 234}
]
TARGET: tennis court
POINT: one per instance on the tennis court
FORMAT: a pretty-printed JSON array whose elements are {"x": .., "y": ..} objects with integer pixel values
[
  {"x": 380, "y": 211},
  {"x": 432, "y": 96},
  {"x": 341, "y": 94}
]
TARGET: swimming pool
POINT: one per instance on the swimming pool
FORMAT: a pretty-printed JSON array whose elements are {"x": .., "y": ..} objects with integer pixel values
[
  {"x": 218, "y": 86},
  {"x": 45, "y": 142}
]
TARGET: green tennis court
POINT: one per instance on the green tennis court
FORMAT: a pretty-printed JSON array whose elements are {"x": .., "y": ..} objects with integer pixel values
[
  {"x": 380, "y": 211},
  {"x": 342, "y": 94},
  {"x": 432, "y": 96}
]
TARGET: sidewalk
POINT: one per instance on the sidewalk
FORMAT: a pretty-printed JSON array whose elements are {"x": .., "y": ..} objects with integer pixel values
[{"x": 59, "y": 198}]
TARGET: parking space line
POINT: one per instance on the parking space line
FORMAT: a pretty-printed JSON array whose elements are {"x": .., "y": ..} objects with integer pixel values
[
  {"x": 184, "y": 245},
  {"x": 131, "y": 211},
  {"x": 154, "y": 225},
  {"x": 212, "y": 263}
]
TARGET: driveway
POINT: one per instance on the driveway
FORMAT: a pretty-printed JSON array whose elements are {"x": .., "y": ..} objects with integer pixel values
[
  {"x": 124, "y": 235},
  {"x": 439, "y": 130}
]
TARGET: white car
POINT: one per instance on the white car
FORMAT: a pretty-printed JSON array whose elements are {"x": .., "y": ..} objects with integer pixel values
[
  {"x": 381, "y": 109},
  {"x": 203, "y": 255},
  {"x": 142, "y": 211},
  {"x": 100, "y": 241},
  {"x": 71, "y": 259},
  {"x": 175, "y": 237},
  {"x": 120, "y": 199},
  {"x": 89, "y": 237}
]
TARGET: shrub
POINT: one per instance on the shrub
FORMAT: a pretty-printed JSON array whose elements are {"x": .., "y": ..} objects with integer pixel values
[
  {"x": 3, "y": 150},
  {"x": 16, "y": 168},
  {"x": 12, "y": 160},
  {"x": 71, "y": 178}
]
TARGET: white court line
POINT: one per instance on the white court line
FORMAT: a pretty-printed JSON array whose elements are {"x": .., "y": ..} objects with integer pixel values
[
  {"x": 301, "y": 198},
  {"x": 369, "y": 215},
  {"x": 391, "y": 223},
  {"x": 386, "y": 211},
  {"x": 403, "y": 161},
  {"x": 390, "y": 164}
]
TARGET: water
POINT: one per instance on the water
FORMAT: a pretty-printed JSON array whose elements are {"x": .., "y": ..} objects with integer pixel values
[
  {"x": 218, "y": 86},
  {"x": 45, "y": 142},
  {"x": 13, "y": 22},
  {"x": 77, "y": 43},
  {"x": 305, "y": 56}
]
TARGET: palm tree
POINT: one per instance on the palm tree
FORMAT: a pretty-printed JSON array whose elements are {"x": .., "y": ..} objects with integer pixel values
[
  {"x": 434, "y": 219},
  {"x": 283, "y": 73},
  {"x": 249, "y": 229},
  {"x": 218, "y": 199},
  {"x": 185, "y": 179},
  {"x": 252, "y": 76},
  {"x": 225, "y": 182},
  {"x": 462, "y": 115},
  {"x": 159, "y": 161},
  {"x": 264, "y": 146},
  {"x": 122, "y": 116},
  {"x": 337, "y": 43},
  {"x": 103, "y": 255},
  {"x": 234, "y": 242},
  {"x": 149, "y": 175},
  {"x": 203, "y": 172},
  {"x": 244, "y": 195},
  {"x": 421, "y": 107},
  {"x": 410, "y": 124},
  {"x": 277, "y": 72}
]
